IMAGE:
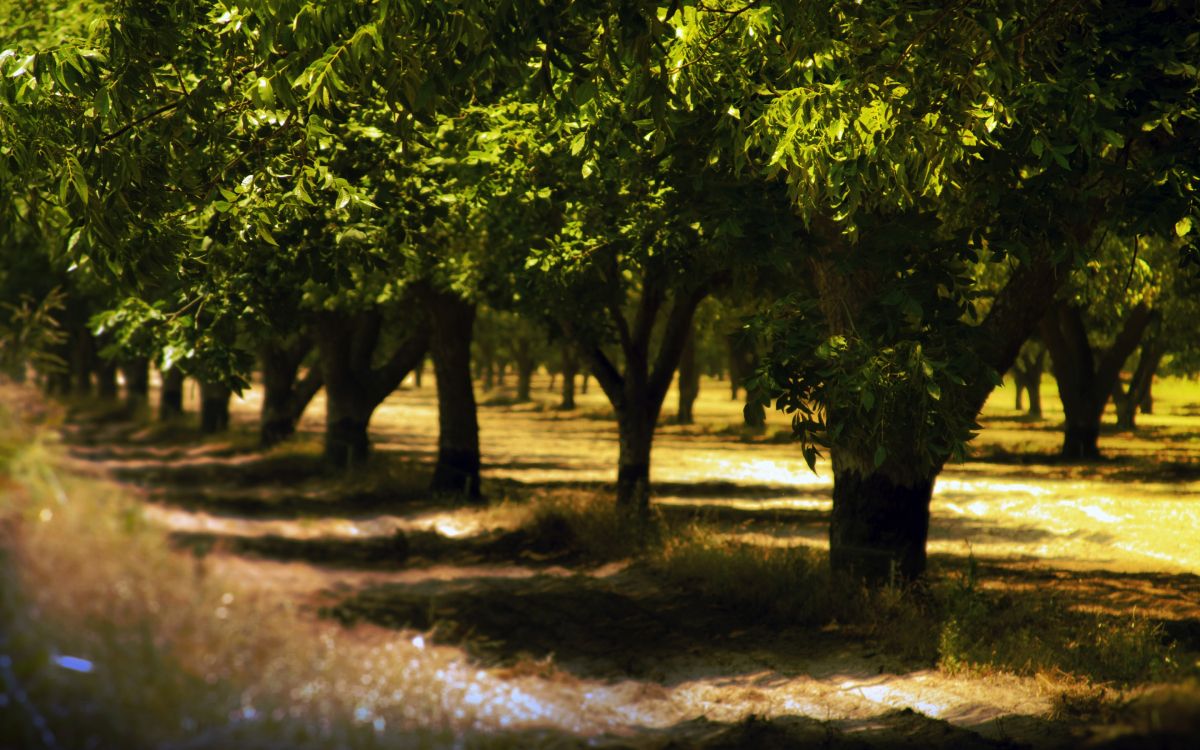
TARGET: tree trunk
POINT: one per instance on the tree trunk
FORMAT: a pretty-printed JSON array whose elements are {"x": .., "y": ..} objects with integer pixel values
[
  {"x": 1027, "y": 375},
  {"x": 106, "y": 380},
  {"x": 214, "y": 408},
  {"x": 137, "y": 383},
  {"x": 170, "y": 397},
  {"x": 583, "y": 386},
  {"x": 458, "y": 460},
  {"x": 284, "y": 396},
  {"x": 1086, "y": 382},
  {"x": 526, "y": 364},
  {"x": 570, "y": 366},
  {"x": 348, "y": 407},
  {"x": 879, "y": 525},
  {"x": 636, "y": 434},
  {"x": 1128, "y": 401},
  {"x": 689, "y": 380},
  {"x": 1146, "y": 405},
  {"x": 83, "y": 362},
  {"x": 354, "y": 385},
  {"x": 1034, "y": 388},
  {"x": 418, "y": 373}
]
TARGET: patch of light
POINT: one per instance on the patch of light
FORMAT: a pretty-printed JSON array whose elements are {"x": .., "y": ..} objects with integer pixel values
[
  {"x": 1100, "y": 515},
  {"x": 980, "y": 486},
  {"x": 762, "y": 471},
  {"x": 455, "y": 528}
]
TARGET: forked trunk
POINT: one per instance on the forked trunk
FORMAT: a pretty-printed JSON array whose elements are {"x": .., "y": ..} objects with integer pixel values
[
  {"x": 1085, "y": 380},
  {"x": 458, "y": 458},
  {"x": 354, "y": 384},
  {"x": 285, "y": 394}
]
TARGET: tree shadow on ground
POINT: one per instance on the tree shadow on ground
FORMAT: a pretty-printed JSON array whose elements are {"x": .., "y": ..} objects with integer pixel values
[
  {"x": 536, "y": 547},
  {"x": 608, "y": 627},
  {"x": 1170, "y": 600}
]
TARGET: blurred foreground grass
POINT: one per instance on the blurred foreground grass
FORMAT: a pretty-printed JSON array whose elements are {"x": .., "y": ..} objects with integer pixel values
[{"x": 108, "y": 638}]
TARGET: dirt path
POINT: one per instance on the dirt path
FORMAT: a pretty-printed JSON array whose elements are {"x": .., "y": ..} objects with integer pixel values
[{"x": 545, "y": 644}]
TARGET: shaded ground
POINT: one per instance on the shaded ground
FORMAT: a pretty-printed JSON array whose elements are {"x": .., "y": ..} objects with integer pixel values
[{"x": 604, "y": 648}]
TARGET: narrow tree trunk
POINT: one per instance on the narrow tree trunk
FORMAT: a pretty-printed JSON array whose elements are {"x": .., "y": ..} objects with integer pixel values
[
  {"x": 1034, "y": 387},
  {"x": 137, "y": 383},
  {"x": 570, "y": 366},
  {"x": 83, "y": 362},
  {"x": 458, "y": 460},
  {"x": 583, "y": 386},
  {"x": 214, "y": 407},
  {"x": 106, "y": 380},
  {"x": 418, "y": 372},
  {"x": 170, "y": 397},
  {"x": 489, "y": 376},
  {"x": 1130, "y": 400},
  {"x": 880, "y": 523},
  {"x": 526, "y": 364},
  {"x": 1027, "y": 375},
  {"x": 1019, "y": 387},
  {"x": 1146, "y": 405},
  {"x": 689, "y": 380}
]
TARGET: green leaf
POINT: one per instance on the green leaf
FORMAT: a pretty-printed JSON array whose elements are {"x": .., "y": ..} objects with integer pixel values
[
  {"x": 1183, "y": 226},
  {"x": 880, "y": 456},
  {"x": 266, "y": 235}
]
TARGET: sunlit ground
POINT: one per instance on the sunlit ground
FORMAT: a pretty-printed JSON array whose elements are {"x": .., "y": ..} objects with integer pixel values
[
  {"x": 1132, "y": 514},
  {"x": 1077, "y": 527}
]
